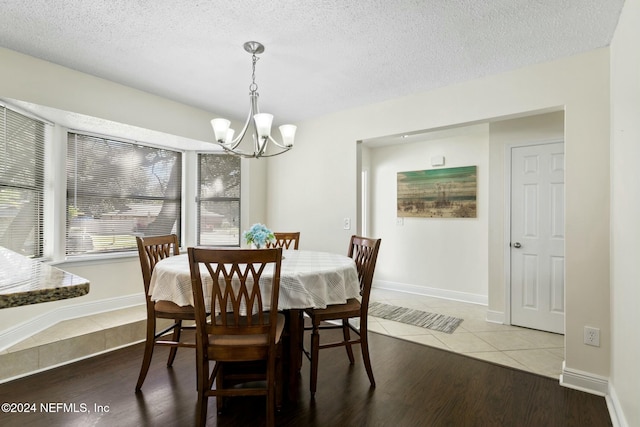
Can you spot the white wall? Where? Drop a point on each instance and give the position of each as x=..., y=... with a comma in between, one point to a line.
x=33, y=80
x=315, y=186
x=440, y=256
x=625, y=215
x=115, y=282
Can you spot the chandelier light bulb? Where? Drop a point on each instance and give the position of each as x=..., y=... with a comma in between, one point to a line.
x=220, y=128
x=263, y=124
x=288, y=133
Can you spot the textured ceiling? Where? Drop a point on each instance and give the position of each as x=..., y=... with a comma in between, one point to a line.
x=321, y=55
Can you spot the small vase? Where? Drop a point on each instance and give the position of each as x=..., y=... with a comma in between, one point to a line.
x=256, y=246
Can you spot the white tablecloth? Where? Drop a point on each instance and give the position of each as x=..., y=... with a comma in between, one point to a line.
x=307, y=279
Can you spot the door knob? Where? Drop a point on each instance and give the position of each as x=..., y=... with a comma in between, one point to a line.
x=517, y=245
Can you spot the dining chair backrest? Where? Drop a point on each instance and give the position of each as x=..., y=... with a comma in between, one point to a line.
x=285, y=240
x=152, y=249
x=240, y=302
x=364, y=252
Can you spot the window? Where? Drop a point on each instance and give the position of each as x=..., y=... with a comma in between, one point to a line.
x=218, y=200
x=117, y=190
x=21, y=182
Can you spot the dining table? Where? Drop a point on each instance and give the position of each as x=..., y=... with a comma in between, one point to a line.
x=308, y=279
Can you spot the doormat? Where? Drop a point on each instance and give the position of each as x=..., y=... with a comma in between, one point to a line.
x=436, y=322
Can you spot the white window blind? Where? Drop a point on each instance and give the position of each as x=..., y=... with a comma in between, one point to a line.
x=117, y=190
x=21, y=182
x=218, y=199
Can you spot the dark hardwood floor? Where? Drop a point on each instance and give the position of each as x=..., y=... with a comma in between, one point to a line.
x=416, y=386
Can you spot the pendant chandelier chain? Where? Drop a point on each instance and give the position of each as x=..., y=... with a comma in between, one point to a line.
x=253, y=87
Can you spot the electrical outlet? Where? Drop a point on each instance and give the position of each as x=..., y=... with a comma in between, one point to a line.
x=347, y=224
x=399, y=221
x=592, y=336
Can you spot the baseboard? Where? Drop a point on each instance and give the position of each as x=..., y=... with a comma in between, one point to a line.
x=496, y=317
x=615, y=410
x=431, y=292
x=584, y=381
x=39, y=323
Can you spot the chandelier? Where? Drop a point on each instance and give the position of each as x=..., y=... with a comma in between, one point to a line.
x=260, y=123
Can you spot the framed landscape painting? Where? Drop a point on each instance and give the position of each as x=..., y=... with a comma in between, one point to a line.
x=438, y=193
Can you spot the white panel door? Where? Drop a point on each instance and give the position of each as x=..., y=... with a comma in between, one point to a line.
x=537, y=237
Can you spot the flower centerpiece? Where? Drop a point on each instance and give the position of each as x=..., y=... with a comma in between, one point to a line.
x=259, y=235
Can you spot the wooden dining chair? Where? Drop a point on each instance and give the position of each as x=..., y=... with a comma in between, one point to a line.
x=288, y=240
x=364, y=251
x=151, y=250
x=244, y=325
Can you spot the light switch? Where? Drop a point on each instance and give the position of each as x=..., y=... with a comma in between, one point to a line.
x=347, y=224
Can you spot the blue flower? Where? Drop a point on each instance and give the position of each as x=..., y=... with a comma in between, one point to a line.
x=259, y=235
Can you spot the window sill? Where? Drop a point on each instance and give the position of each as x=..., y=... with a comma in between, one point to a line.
x=97, y=259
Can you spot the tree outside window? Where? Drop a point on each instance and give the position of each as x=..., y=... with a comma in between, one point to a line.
x=218, y=199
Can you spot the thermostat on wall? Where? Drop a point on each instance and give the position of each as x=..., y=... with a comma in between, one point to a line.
x=437, y=160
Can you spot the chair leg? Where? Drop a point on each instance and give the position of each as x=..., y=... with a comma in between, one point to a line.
x=201, y=410
x=219, y=386
x=148, y=351
x=177, y=329
x=271, y=407
x=271, y=395
x=347, y=338
x=279, y=378
x=315, y=343
x=201, y=404
x=364, y=344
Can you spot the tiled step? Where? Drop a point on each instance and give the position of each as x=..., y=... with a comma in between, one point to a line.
x=73, y=339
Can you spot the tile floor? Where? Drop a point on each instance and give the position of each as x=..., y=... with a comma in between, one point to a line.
x=526, y=349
